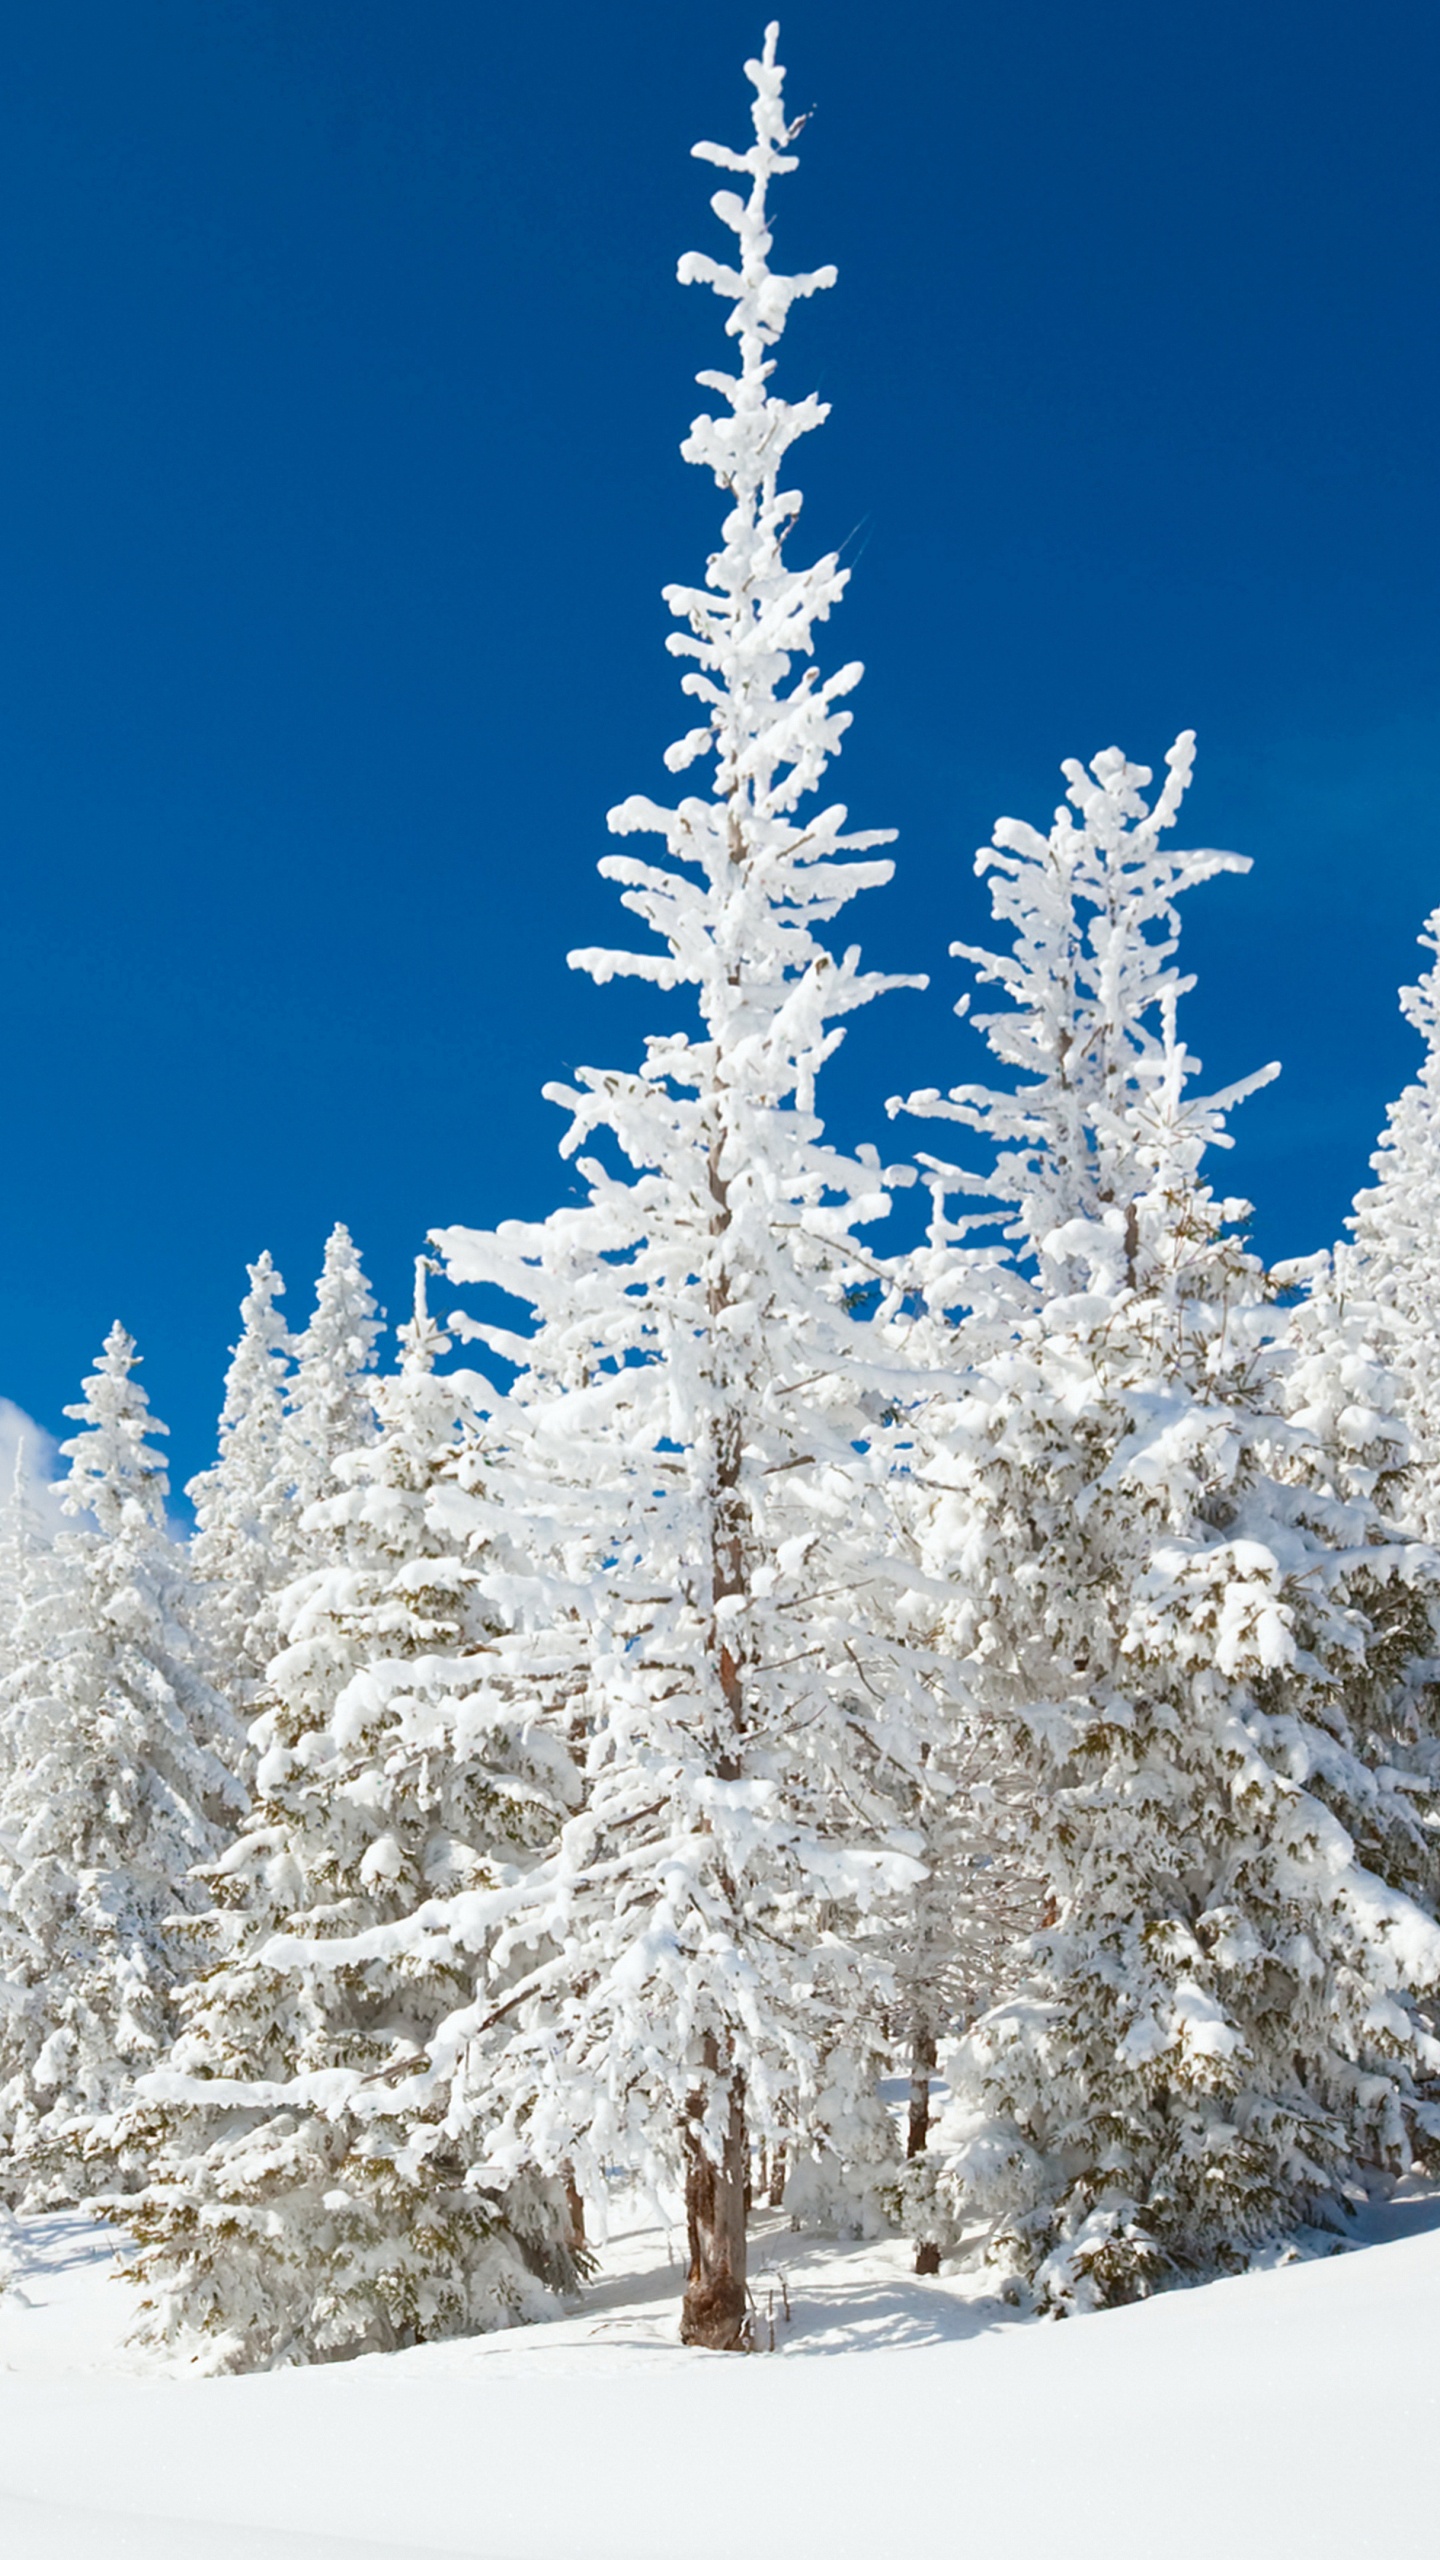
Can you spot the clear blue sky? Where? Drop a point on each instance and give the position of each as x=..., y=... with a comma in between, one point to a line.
x=343, y=377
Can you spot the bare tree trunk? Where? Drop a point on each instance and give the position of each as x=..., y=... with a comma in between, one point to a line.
x=922, y=2063
x=715, y=2312
x=779, y=2171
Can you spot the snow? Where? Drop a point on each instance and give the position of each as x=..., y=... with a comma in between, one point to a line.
x=567, y=1728
x=1277, y=2413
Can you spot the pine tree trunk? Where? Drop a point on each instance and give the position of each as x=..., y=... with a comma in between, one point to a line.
x=575, y=2206
x=729, y=1579
x=715, y=2312
x=922, y=2063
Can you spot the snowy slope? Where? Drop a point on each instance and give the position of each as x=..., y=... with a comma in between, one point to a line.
x=1288, y=2412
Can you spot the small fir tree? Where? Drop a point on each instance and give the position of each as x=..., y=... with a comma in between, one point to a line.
x=951, y=1943
x=31, y=1624
x=24, y=1548
x=19, y=1539
x=117, y=1785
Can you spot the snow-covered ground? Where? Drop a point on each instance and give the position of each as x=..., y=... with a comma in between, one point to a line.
x=1286, y=2413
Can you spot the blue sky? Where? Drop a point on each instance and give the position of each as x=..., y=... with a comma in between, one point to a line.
x=344, y=374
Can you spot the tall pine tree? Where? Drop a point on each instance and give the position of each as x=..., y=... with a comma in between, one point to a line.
x=698, y=1437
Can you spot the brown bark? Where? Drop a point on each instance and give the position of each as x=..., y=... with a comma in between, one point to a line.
x=575, y=2204
x=715, y=2312
x=728, y=1577
x=922, y=2063
x=779, y=2172
x=728, y=1581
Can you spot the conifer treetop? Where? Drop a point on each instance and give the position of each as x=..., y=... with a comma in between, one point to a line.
x=259, y=1356
x=767, y=882
x=254, y=1386
x=345, y=1324
x=330, y=1401
x=1420, y=1004
x=1099, y=1115
x=1396, y=1224
x=421, y=1338
x=245, y=1545
x=1385, y=1281
x=751, y=596
x=111, y=1465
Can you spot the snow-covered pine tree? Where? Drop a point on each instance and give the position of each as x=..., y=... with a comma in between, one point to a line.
x=27, y=1577
x=117, y=1785
x=1385, y=1286
x=950, y=1946
x=1164, y=1593
x=700, y=1416
x=330, y=1403
x=1346, y=1399
x=16, y=1541
x=246, y=1513
x=297, y=2209
x=1362, y=1366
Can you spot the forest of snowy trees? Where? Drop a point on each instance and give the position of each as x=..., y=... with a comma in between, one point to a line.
x=724, y=1661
